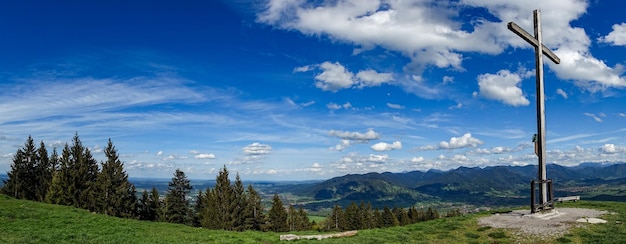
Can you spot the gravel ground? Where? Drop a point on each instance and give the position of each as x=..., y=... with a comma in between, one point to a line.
x=528, y=227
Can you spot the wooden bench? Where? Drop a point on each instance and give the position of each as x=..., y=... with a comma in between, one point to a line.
x=567, y=199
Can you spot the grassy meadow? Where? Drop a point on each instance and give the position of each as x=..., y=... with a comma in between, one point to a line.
x=33, y=222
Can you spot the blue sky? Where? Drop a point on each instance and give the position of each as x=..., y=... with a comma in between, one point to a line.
x=297, y=90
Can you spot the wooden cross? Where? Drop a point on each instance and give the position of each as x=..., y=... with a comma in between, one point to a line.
x=540, y=50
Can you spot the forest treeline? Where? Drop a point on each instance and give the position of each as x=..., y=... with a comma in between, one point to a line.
x=75, y=178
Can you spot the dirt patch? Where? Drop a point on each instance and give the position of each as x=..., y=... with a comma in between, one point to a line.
x=550, y=225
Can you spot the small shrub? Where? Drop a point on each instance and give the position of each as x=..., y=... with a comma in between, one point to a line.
x=484, y=228
x=472, y=235
x=497, y=235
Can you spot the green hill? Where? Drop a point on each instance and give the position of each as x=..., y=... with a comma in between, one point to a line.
x=33, y=222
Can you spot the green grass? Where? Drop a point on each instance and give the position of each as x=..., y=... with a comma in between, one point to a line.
x=33, y=222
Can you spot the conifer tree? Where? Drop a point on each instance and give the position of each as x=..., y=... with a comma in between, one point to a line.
x=155, y=206
x=115, y=194
x=388, y=218
x=237, y=205
x=277, y=216
x=42, y=173
x=144, y=201
x=336, y=220
x=303, y=220
x=367, y=218
x=224, y=200
x=20, y=183
x=254, y=217
x=292, y=218
x=353, y=217
x=176, y=203
x=209, y=214
x=62, y=187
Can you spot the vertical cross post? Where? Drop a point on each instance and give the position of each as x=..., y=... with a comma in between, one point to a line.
x=541, y=110
x=540, y=50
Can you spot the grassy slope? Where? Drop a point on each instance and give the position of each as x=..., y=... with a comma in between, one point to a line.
x=33, y=222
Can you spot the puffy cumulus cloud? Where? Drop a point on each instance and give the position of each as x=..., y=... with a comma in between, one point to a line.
x=432, y=33
x=341, y=146
x=257, y=149
x=334, y=77
x=370, y=78
x=383, y=146
x=617, y=37
x=612, y=148
x=417, y=159
x=460, y=142
x=355, y=136
x=503, y=86
x=159, y=153
x=588, y=72
x=204, y=156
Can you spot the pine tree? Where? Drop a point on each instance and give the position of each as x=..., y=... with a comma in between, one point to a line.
x=277, y=216
x=336, y=220
x=292, y=218
x=253, y=213
x=155, y=206
x=43, y=169
x=22, y=175
x=115, y=194
x=176, y=203
x=224, y=200
x=144, y=204
x=388, y=218
x=238, y=205
x=303, y=220
x=209, y=215
x=367, y=218
x=353, y=217
x=62, y=188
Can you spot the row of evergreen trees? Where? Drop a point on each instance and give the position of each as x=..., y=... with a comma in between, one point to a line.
x=75, y=178
x=364, y=217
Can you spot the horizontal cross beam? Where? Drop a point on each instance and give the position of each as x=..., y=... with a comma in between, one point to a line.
x=531, y=39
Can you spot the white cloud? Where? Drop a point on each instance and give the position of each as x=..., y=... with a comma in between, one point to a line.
x=355, y=136
x=617, y=37
x=257, y=149
x=395, y=106
x=417, y=159
x=612, y=148
x=430, y=33
x=503, y=86
x=595, y=117
x=448, y=79
x=204, y=156
x=374, y=158
x=316, y=167
x=342, y=146
x=334, y=77
x=561, y=92
x=459, y=142
x=369, y=78
x=426, y=148
x=159, y=153
x=303, y=68
x=383, y=146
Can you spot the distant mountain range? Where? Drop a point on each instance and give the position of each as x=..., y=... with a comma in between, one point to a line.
x=490, y=186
